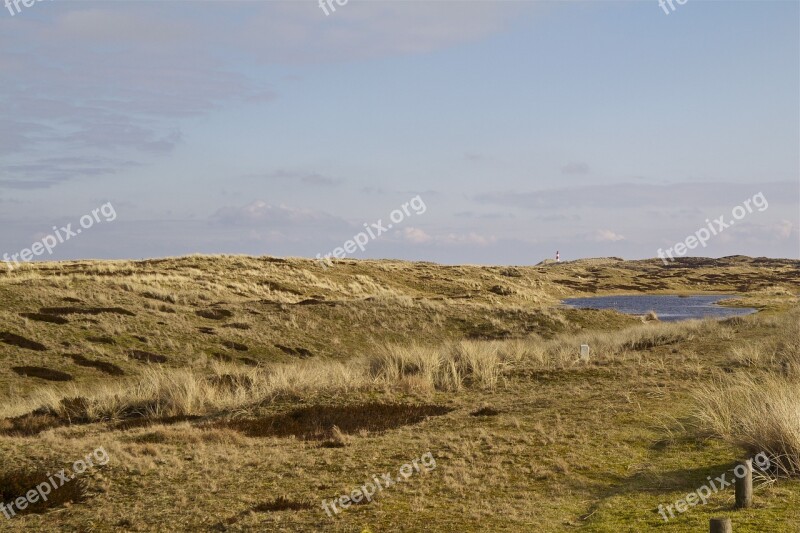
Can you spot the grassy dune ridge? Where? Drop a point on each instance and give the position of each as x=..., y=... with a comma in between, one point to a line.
x=249, y=389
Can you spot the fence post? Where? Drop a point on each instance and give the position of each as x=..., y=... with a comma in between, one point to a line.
x=744, y=485
x=721, y=525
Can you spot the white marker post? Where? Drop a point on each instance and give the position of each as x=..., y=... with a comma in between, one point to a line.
x=585, y=352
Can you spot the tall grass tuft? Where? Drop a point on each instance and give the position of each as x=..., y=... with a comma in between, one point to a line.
x=760, y=415
x=448, y=367
x=161, y=392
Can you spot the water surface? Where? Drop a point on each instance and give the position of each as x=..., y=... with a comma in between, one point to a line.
x=668, y=307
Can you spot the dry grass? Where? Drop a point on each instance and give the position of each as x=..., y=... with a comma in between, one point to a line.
x=483, y=364
x=760, y=410
x=167, y=393
x=534, y=437
x=760, y=415
x=162, y=392
x=442, y=368
x=158, y=307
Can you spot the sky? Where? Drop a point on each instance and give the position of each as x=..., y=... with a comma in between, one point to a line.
x=509, y=130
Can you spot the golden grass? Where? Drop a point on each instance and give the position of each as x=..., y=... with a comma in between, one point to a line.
x=163, y=392
x=391, y=301
x=760, y=415
x=448, y=367
x=215, y=388
x=760, y=410
x=533, y=437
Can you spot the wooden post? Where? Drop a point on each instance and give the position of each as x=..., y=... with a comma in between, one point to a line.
x=721, y=525
x=744, y=484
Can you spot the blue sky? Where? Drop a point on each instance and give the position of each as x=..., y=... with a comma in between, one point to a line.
x=268, y=128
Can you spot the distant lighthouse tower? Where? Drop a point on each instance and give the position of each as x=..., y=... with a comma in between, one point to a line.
x=558, y=257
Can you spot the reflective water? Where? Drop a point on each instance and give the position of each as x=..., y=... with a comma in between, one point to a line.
x=667, y=307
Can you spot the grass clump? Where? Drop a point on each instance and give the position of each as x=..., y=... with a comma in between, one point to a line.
x=759, y=415
x=759, y=410
x=161, y=392
x=283, y=503
x=448, y=367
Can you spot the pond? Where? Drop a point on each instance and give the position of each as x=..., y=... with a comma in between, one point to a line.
x=668, y=307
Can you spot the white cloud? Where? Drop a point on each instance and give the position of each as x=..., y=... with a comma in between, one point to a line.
x=683, y=195
x=260, y=212
x=783, y=229
x=418, y=236
x=122, y=75
x=754, y=232
x=297, y=32
x=306, y=178
x=606, y=235
x=576, y=169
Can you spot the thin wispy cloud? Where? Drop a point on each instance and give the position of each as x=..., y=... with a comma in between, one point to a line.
x=636, y=195
x=269, y=127
x=305, y=178
x=575, y=169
